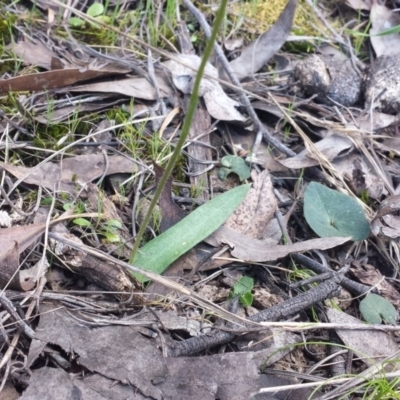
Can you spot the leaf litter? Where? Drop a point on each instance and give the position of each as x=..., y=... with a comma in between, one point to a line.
x=85, y=124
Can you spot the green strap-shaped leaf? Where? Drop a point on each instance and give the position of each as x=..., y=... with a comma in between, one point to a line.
x=331, y=213
x=158, y=254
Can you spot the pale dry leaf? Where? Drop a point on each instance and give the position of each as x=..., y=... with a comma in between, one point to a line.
x=257, y=210
x=359, y=4
x=72, y=171
x=53, y=79
x=62, y=113
x=382, y=18
x=13, y=241
x=259, y=52
x=356, y=169
x=255, y=250
x=372, y=346
x=330, y=147
x=136, y=87
x=368, y=274
x=218, y=104
x=35, y=53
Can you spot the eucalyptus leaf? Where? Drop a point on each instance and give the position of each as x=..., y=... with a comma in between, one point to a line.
x=331, y=213
x=376, y=308
x=158, y=254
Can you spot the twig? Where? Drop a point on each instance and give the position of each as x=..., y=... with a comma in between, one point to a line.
x=289, y=307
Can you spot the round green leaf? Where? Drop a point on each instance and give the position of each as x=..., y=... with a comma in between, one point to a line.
x=76, y=22
x=234, y=164
x=331, y=213
x=95, y=9
x=374, y=308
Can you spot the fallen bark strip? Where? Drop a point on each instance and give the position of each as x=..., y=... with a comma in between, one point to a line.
x=285, y=309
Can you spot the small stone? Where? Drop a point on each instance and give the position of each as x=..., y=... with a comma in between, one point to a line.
x=331, y=77
x=382, y=85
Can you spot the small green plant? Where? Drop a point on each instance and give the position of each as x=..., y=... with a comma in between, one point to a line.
x=108, y=229
x=96, y=11
x=375, y=308
x=234, y=165
x=331, y=213
x=243, y=288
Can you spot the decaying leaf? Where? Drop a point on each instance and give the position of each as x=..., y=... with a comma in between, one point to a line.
x=356, y=168
x=13, y=241
x=382, y=19
x=255, y=250
x=258, y=53
x=72, y=171
x=36, y=53
x=330, y=147
x=371, y=346
x=368, y=274
x=135, y=87
x=218, y=104
x=52, y=79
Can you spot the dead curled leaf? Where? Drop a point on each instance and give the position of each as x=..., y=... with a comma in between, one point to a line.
x=255, y=250
x=371, y=346
x=72, y=171
x=368, y=274
x=259, y=52
x=218, y=103
x=13, y=241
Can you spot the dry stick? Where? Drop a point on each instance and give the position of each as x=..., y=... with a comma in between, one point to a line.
x=261, y=130
x=355, y=287
x=288, y=307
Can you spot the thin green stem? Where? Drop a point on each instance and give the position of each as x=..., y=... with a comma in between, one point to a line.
x=194, y=98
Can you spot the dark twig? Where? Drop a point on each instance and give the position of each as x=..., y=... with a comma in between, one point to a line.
x=258, y=126
x=356, y=288
x=285, y=309
x=21, y=325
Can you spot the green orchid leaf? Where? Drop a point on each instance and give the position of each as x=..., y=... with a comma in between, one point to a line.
x=95, y=10
x=243, y=288
x=331, y=213
x=158, y=254
x=76, y=22
x=376, y=308
x=82, y=222
x=236, y=165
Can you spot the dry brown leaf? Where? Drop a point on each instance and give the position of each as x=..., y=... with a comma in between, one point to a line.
x=52, y=79
x=71, y=172
x=330, y=147
x=255, y=250
x=382, y=18
x=36, y=53
x=359, y=4
x=368, y=274
x=258, y=53
x=218, y=104
x=63, y=113
x=257, y=210
x=13, y=241
x=372, y=346
x=136, y=87
x=355, y=168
